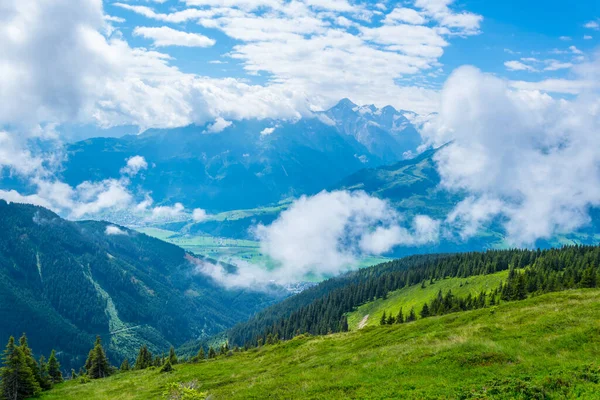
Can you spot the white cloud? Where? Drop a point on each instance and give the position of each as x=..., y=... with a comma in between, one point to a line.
x=587, y=37
x=575, y=50
x=595, y=25
x=518, y=66
x=510, y=149
x=199, y=215
x=463, y=23
x=565, y=38
x=165, y=36
x=267, y=131
x=114, y=230
x=324, y=234
x=407, y=15
x=219, y=125
x=166, y=213
x=134, y=165
x=555, y=65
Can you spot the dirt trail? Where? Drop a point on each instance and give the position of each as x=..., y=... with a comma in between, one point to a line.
x=363, y=322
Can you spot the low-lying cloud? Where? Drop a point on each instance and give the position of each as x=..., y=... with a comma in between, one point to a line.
x=326, y=234
x=521, y=155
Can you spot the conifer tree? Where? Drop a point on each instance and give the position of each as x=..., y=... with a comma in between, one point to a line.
x=383, y=319
x=201, y=356
x=31, y=363
x=411, y=316
x=17, y=379
x=212, y=353
x=390, y=319
x=425, y=311
x=400, y=317
x=97, y=365
x=144, y=358
x=54, y=369
x=125, y=365
x=45, y=382
x=172, y=356
x=73, y=373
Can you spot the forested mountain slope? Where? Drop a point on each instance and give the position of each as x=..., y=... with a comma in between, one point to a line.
x=64, y=283
x=325, y=308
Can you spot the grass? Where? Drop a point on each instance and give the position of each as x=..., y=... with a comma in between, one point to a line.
x=546, y=347
x=415, y=296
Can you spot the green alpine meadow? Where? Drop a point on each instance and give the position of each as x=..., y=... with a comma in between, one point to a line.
x=545, y=347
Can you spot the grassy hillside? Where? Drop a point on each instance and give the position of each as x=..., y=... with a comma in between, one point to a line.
x=545, y=347
x=415, y=296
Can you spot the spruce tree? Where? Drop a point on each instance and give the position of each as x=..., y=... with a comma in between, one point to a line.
x=17, y=379
x=390, y=319
x=201, y=356
x=212, y=353
x=400, y=317
x=144, y=358
x=31, y=363
x=425, y=311
x=54, y=369
x=125, y=365
x=172, y=356
x=97, y=365
x=45, y=382
x=411, y=316
x=383, y=319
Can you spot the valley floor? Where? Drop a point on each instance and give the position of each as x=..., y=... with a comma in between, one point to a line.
x=545, y=347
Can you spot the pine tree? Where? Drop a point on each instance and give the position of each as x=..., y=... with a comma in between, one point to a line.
x=201, y=356
x=390, y=319
x=125, y=365
x=144, y=358
x=400, y=317
x=73, y=373
x=425, y=311
x=212, y=353
x=17, y=379
x=54, y=369
x=45, y=382
x=31, y=363
x=411, y=316
x=383, y=319
x=97, y=365
x=172, y=356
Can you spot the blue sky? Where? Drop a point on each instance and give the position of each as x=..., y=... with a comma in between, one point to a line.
x=519, y=40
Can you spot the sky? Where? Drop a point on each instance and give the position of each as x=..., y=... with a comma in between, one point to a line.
x=514, y=87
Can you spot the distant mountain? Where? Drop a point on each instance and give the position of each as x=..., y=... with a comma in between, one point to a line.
x=385, y=132
x=64, y=283
x=252, y=162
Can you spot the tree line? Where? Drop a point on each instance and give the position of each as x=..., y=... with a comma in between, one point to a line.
x=530, y=272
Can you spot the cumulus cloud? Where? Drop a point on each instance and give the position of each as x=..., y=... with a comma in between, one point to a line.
x=199, y=215
x=165, y=213
x=325, y=234
x=527, y=160
x=134, y=165
x=219, y=125
x=267, y=131
x=165, y=36
x=114, y=230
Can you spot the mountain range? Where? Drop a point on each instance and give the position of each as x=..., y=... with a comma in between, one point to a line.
x=265, y=160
